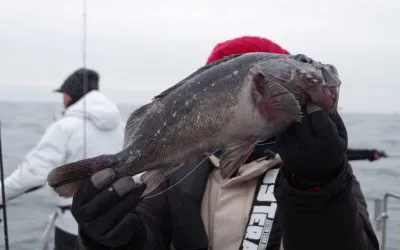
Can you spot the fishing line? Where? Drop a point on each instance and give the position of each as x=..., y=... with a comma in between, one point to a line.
x=180, y=181
x=392, y=155
x=3, y=195
x=266, y=143
x=191, y=171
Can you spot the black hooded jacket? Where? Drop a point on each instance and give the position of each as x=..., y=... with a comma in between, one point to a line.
x=175, y=217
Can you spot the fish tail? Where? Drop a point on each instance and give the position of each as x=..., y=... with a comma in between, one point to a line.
x=67, y=179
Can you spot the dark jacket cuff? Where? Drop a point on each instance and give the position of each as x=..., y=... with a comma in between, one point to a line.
x=84, y=242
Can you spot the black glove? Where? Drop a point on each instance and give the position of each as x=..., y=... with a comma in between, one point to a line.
x=374, y=154
x=104, y=209
x=313, y=150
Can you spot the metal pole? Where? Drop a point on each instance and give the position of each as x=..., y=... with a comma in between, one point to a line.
x=385, y=216
x=3, y=195
x=47, y=233
x=377, y=214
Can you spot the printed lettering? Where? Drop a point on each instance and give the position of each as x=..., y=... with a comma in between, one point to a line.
x=261, y=195
x=266, y=193
x=257, y=219
x=270, y=176
x=263, y=214
x=254, y=232
x=264, y=238
x=270, y=210
x=247, y=245
x=268, y=226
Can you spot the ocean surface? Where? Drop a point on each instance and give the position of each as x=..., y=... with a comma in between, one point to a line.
x=24, y=123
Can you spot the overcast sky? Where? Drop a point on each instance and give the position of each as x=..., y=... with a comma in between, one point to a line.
x=143, y=47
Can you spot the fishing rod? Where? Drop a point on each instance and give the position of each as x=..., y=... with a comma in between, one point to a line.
x=85, y=85
x=383, y=154
x=27, y=191
x=85, y=89
x=392, y=155
x=3, y=195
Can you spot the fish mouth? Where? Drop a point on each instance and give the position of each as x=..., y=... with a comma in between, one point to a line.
x=322, y=90
x=324, y=96
x=331, y=96
x=319, y=84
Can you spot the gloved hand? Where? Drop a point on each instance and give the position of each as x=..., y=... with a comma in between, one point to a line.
x=376, y=154
x=313, y=151
x=104, y=209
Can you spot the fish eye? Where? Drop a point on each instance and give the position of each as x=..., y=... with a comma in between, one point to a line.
x=303, y=58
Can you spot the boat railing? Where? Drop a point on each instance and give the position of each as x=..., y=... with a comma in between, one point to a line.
x=381, y=216
x=46, y=242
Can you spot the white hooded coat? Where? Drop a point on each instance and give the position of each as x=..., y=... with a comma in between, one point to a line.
x=64, y=142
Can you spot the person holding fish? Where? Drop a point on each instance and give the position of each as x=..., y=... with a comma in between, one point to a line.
x=66, y=140
x=251, y=93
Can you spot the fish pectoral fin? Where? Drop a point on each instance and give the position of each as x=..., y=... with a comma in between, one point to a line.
x=234, y=156
x=155, y=177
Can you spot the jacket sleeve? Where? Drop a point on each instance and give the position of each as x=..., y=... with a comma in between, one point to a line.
x=49, y=153
x=359, y=154
x=333, y=217
x=153, y=231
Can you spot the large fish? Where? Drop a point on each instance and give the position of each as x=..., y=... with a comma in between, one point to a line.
x=230, y=104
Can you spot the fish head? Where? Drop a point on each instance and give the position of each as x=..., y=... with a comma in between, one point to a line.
x=320, y=81
x=307, y=79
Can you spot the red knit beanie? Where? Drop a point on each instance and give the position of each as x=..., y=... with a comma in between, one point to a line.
x=244, y=44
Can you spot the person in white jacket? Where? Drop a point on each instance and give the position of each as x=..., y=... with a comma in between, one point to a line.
x=91, y=125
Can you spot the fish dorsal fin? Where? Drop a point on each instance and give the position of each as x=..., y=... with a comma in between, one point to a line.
x=200, y=70
x=134, y=120
x=234, y=156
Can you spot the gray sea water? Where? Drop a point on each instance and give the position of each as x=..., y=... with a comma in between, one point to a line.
x=24, y=123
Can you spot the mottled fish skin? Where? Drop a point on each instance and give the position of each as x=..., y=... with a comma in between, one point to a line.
x=182, y=121
x=230, y=104
x=208, y=109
